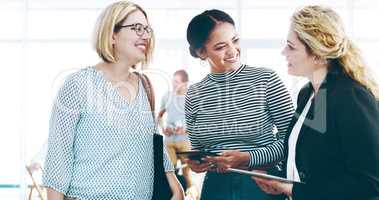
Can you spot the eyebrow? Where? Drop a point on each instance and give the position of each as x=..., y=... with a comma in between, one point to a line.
x=234, y=37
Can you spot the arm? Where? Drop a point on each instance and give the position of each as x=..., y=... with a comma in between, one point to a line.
x=166, y=131
x=160, y=116
x=190, y=114
x=281, y=111
x=60, y=158
x=357, y=117
x=176, y=188
x=162, y=109
x=54, y=195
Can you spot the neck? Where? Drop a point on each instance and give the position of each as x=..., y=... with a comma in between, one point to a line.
x=216, y=69
x=317, y=77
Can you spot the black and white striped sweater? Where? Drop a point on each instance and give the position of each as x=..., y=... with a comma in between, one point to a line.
x=239, y=110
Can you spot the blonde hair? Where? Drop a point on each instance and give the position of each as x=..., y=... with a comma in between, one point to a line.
x=114, y=15
x=321, y=30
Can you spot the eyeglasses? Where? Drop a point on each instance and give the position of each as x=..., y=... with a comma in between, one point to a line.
x=139, y=28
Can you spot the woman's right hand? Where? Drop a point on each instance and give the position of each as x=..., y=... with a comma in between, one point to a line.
x=198, y=166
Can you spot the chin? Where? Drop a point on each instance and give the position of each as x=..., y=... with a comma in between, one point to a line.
x=232, y=65
x=292, y=72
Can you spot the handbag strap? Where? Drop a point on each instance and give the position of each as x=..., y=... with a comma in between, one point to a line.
x=161, y=189
x=149, y=90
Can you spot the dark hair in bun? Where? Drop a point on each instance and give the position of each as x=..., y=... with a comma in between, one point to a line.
x=201, y=26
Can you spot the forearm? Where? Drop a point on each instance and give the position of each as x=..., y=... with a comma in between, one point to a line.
x=269, y=155
x=176, y=188
x=54, y=195
x=187, y=176
x=160, y=122
x=160, y=118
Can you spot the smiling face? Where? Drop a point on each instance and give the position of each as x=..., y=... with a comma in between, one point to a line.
x=300, y=61
x=128, y=46
x=222, y=50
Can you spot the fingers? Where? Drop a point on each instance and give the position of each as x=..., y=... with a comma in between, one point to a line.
x=199, y=167
x=268, y=186
x=230, y=153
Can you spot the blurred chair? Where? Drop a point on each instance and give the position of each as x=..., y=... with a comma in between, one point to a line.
x=32, y=169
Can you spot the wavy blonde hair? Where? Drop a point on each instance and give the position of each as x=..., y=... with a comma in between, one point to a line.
x=114, y=15
x=321, y=30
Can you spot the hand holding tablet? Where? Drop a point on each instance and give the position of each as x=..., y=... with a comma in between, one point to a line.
x=263, y=176
x=197, y=155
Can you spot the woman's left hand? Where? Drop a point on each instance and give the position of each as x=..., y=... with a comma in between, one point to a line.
x=274, y=187
x=229, y=159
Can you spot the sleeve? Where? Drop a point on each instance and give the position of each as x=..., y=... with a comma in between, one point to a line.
x=357, y=117
x=64, y=117
x=281, y=110
x=168, y=166
x=190, y=114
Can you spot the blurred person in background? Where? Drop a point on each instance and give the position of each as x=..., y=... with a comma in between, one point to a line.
x=176, y=137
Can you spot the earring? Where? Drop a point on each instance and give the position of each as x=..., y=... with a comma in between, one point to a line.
x=203, y=62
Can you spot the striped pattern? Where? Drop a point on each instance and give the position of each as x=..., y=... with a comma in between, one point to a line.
x=239, y=110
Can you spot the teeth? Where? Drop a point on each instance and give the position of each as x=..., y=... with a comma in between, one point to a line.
x=231, y=59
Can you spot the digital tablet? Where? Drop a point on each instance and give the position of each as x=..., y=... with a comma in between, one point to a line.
x=197, y=154
x=264, y=176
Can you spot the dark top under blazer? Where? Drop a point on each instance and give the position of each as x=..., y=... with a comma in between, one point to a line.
x=337, y=151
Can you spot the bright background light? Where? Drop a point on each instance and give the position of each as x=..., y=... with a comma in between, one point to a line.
x=41, y=41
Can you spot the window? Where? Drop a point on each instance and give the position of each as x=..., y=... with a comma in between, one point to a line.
x=42, y=41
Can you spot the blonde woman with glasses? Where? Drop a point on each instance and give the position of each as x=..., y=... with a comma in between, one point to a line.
x=101, y=128
x=333, y=141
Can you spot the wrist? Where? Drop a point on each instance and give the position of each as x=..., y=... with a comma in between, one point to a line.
x=245, y=159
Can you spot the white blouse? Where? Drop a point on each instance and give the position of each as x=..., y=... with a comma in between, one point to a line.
x=292, y=172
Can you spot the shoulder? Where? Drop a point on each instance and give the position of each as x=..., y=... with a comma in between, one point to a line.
x=350, y=93
x=80, y=76
x=194, y=88
x=262, y=75
x=77, y=82
x=262, y=72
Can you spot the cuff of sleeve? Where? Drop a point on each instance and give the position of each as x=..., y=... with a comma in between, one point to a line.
x=251, y=161
x=255, y=159
x=169, y=170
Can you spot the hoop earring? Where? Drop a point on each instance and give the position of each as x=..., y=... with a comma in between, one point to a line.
x=203, y=63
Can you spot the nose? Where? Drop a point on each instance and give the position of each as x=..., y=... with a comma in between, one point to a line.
x=284, y=51
x=146, y=35
x=232, y=51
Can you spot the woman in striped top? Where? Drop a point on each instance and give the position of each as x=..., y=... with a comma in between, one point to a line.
x=233, y=110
